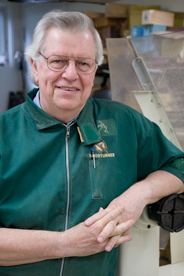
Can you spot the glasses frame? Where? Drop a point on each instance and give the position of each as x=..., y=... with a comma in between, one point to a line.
x=70, y=58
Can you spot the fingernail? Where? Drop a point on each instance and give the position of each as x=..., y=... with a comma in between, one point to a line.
x=108, y=248
x=100, y=239
x=87, y=222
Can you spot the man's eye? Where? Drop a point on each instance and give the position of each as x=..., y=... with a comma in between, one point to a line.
x=63, y=61
x=83, y=63
x=57, y=61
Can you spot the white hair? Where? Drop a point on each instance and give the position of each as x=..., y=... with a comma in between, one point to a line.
x=72, y=21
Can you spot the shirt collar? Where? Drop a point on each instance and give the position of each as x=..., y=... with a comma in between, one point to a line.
x=42, y=119
x=85, y=121
x=36, y=99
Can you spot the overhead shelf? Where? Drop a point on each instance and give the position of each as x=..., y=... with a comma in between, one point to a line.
x=56, y=1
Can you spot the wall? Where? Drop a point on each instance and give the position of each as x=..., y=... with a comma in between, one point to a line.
x=11, y=80
x=10, y=77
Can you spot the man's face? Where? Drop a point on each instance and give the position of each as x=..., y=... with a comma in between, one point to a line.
x=64, y=94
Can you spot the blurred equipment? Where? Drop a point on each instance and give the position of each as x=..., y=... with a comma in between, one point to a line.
x=104, y=92
x=18, y=58
x=15, y=98
x=168, y=212
x=146, y=73
x=54, y=1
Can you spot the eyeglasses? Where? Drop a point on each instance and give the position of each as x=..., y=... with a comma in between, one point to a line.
x=59, y=63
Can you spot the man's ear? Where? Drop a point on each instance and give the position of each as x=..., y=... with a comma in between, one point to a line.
x=34, y=69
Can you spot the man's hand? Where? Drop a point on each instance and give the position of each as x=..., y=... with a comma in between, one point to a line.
x=154, y=187
x=114, y=231
x=18, y=246
x=82, y=239
x=133, y=200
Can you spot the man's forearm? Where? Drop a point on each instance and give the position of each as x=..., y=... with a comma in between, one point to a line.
x=27, y=246
x=158, y=185
x=154, y=187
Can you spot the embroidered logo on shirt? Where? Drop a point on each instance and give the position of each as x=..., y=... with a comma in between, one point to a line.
x=102, y=127
x=101, y=147
x=106, y=127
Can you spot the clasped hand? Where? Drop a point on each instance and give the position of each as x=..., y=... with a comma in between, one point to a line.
x=112, y=231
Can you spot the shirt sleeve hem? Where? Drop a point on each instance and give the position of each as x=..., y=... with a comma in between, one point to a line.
x=175, y=172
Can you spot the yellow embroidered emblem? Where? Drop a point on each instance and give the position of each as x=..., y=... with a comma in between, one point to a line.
x=100, y=147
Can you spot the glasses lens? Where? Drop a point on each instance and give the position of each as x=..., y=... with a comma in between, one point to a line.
x=57, y=63
x=86, y=65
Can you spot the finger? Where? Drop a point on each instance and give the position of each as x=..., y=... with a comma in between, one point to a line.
x=123, y=228
x=107, y=214
x=123, y=239
x=107, y=230
x=112, y=217
x=101, y=213
x=112, y=229
x=127, y=231
x=115, y=241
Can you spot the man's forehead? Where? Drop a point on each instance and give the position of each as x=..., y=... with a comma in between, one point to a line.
x=56, y=40
x=68, y=32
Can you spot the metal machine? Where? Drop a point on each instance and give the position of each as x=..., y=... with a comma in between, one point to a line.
x=147, y=73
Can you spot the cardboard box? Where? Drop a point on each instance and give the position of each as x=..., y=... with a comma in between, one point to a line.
x=146, y=30
x=93, y=15
x=178, y=20
x=104, y=22
x=111, y=32
x=135, y=14
x=114, y=10
x=108, y=32
x=117, y=31
x=158, y=18
x=124, y=28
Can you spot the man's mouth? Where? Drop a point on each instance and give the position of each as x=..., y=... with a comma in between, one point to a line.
x=69, y=88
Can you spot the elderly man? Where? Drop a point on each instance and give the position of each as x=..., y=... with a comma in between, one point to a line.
x=75, y=172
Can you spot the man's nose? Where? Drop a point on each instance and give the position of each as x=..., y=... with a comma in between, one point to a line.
x=70, y=71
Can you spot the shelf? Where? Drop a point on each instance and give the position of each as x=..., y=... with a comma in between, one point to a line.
x=103, y=2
